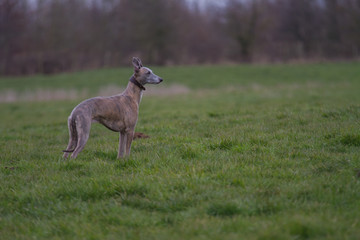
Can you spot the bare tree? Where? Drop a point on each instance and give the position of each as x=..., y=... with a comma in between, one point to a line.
x=49, y=36
x=12, y=25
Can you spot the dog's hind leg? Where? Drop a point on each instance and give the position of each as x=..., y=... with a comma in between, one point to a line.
x=72, y=138
x=83, y=126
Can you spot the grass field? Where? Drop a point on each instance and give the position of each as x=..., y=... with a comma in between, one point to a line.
x=250, y=152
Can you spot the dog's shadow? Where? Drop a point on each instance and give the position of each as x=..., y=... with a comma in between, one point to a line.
x=106, y=155
x=113, y=154
x=122, y=164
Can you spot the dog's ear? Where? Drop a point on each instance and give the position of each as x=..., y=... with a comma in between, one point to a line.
x=136, y=63
x=140, y=63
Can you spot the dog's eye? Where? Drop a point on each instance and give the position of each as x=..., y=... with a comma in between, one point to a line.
x=148, y=73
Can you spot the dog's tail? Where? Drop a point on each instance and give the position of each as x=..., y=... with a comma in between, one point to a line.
x=68, y=151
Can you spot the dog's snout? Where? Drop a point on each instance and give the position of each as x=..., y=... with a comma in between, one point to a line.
x=160, y=79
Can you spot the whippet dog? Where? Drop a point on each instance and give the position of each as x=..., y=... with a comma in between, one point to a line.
x=118, y=113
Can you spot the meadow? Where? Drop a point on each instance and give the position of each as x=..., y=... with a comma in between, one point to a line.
x=248, y=152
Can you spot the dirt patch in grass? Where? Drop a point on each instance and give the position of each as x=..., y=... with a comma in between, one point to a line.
x=40, y=95
x=140, y=135
x=171, y=90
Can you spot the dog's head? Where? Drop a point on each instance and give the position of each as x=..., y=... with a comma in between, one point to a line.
x=143, y=74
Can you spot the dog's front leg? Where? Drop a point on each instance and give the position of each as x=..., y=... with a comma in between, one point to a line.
x=129, y=138
x=122, y=143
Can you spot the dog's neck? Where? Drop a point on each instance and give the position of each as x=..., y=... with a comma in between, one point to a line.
x=134, y=81
x=134, y=90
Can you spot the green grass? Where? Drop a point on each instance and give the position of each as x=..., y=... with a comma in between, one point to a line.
x=252, y=152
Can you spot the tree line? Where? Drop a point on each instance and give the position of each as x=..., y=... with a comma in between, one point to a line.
x=49, y=36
